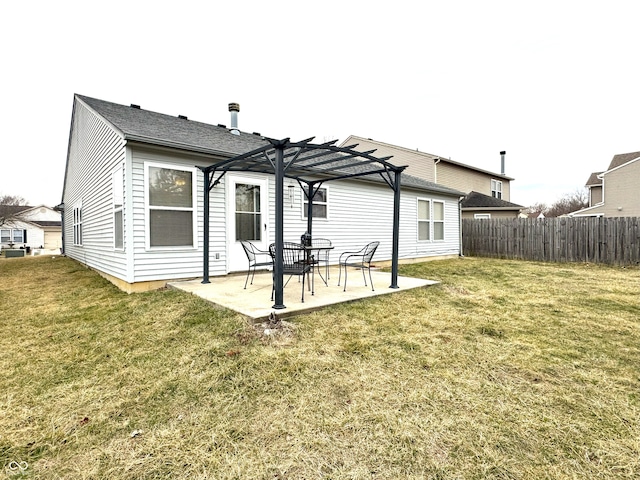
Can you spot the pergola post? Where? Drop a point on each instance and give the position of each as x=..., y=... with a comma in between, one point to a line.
x=279, y=237
x=395, y=247
x=205, y=247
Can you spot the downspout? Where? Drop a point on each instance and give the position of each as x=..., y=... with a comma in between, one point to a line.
x=60, y=208
x=205, y=247
x=460, y=254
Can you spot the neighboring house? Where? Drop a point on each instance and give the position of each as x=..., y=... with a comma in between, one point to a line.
x=477, y=205
x=39, y=228
x=534, y=215
x=616, y=191
x=487, y=193
x=134, y=210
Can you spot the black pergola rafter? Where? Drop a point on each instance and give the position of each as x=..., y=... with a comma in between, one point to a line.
x=303, y=162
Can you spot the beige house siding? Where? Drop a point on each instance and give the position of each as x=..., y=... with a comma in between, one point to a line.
x=622, y=191
x=494, y=214
x=595, y=195
x=420, y=164
x=467, y=180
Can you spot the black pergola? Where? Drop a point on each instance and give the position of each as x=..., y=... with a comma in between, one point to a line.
x=311, y=165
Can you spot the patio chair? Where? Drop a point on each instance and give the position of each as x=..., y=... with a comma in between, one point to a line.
x=253, y=253
x=321, y=256
x=294, y=262
x=360, y=259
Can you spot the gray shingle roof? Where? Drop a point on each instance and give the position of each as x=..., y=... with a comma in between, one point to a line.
x=137, y=124
x=594, y=180
x=159, y=129
x=479, y=200
x=622, y=158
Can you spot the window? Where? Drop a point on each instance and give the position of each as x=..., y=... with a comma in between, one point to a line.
x=248, y=214
x=5, y=236
x=430, y=220
x=18, y=236
x=482, y=216
x=118, y=200
x=438, y=220
x=319, y=203
x=77, y=225
x=424, y=219
x=171, y=212
x=496, y=188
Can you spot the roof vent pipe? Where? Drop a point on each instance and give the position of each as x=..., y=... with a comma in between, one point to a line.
x=234, y=108
x=502, y=154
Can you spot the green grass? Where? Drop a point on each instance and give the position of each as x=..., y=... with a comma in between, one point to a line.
x=506, y=370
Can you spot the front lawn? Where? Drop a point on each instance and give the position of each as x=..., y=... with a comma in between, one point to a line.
x=507, y=369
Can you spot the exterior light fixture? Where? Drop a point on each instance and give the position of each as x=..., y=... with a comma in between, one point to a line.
x=291, y=189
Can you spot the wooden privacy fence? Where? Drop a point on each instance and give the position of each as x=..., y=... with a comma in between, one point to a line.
x=614, y=240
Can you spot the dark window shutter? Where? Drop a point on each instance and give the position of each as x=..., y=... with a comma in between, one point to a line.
x=24, y=236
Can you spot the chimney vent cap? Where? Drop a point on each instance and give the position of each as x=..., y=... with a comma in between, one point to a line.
x=234, y=107
x=503, y=153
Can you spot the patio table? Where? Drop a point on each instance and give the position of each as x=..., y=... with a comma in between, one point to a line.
x=309, y=249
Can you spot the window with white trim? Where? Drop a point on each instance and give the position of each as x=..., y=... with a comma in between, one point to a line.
x=424, y=220
x=13, y=235
x=482, y=216
x=320, y=203
x=118, y=201
x=496, y=188
x=438, y=220
x=77, y=225
x=170, y=206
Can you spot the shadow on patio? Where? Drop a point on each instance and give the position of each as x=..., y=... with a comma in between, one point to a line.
x=255, y=302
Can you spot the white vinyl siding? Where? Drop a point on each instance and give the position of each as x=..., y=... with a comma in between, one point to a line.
x=95, y=152
x=362, y=212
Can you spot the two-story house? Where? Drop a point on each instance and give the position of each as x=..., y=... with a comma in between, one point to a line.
x=487, y=193
x=616, y=191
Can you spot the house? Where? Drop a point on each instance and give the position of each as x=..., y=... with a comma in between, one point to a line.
x=487, y=193
x=614, y=192
x=39, y=228
x=137, y=182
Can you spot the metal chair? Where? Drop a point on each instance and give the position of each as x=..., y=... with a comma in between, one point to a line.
x=360, y=259
x=294, y=262
x=322, y=256
x=253, y=253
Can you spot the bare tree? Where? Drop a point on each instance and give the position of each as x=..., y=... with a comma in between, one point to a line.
x=537, y=208
x=570, y=202
x=8, y=204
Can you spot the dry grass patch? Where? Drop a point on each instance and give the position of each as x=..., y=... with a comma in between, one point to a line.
x=505, y=370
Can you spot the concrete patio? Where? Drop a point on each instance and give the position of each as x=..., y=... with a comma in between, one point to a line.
x=255, y=302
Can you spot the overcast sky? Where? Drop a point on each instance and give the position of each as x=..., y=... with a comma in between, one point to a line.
x=554, y=83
